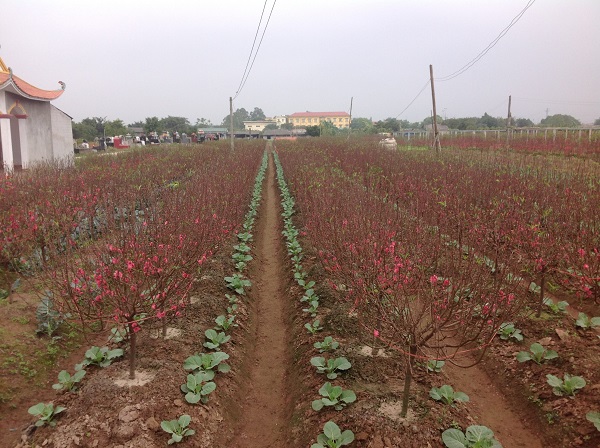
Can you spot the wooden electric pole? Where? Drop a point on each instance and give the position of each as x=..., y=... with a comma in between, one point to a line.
x=508, y=119
x=349, y=124
x=231, y=120
x=436, y=136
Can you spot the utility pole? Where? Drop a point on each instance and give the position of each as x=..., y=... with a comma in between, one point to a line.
x=231, y=120
x=349, y=124
x=508, y=119
x=436, y=136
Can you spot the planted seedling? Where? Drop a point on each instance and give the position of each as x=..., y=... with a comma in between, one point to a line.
x=314, y=327
x=117, y=335
x=435, y=366
x=447, y=395
x=207, y=361
x=244, y=237
x=474, y=437
x=330, y=366
x=49, y=319
x=594, y=417
x=232, y=309
x=215, y=339
x=294, y=247
x=238, y=283
x=556, y=308
x=241, y=257
x=312, y=309
x=508, y=331
x=585, y=322
x=309, y=295
x=198, y=386
x=537, y=353
x=333, y=396
x=333, y=437
x=299, y=276
x=97, y=356
x=329, y=344
x=178, y=428
x=534, y=288
x=45, y=413
x=67, y=381
x=224, y=322
x=242, y=247
x=567, y=386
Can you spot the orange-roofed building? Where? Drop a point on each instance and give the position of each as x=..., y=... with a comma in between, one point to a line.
x=31, y=129
x=339, y=119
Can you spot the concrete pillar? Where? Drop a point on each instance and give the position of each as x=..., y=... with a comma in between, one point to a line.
x=24, y=142
x=5, y=136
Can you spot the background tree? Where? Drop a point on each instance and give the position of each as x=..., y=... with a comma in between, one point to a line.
x=361, y=124
x=313, y=131
x=136, y=124
x=257, y=114
x=524, y=123
x=462, y=124
x=239, y=116
x=271, y=126
x=387, y=125
x=151, y=124
x=176, y=124
x=288, y=126
x=489, y=122
x=116, y=127
x=429, y=120
x=597, y=122
x=203, y=123
x=560, y=121
x=84, y=131
x=328, y=128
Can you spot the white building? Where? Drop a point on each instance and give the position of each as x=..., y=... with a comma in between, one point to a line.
x=31, y=129
x=279, y=119
x=258, y=125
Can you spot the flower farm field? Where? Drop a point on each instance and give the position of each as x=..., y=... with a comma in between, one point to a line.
x=311, y=293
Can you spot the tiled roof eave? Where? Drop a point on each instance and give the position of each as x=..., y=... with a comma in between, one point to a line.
x=26, y=90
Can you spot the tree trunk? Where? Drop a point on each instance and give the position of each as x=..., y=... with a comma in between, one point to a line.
x=542, y=292
x=132, y=350
x=408, y=377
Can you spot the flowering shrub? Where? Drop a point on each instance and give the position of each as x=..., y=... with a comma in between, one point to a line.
x=125, y=241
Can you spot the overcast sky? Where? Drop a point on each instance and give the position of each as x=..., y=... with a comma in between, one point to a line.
x=131, y=60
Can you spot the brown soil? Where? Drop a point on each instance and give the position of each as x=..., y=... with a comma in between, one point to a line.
x=512, y=427
x=30, y=363
x=265, y=419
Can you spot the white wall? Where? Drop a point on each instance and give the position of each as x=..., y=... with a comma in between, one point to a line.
x=62, y=134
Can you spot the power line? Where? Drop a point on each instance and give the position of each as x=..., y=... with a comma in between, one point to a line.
x=252, y=49
x=243, y=82
x=541, y=101
x=414, y=99
x=491, y=45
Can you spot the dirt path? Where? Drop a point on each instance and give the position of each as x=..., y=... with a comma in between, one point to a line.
x=264, y=410
x=512, y=429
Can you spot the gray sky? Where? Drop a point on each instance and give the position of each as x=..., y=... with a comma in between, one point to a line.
x=131, y=60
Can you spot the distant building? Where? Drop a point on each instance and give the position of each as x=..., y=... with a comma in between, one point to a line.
x=31, y=129
x=442, y=128
x=271, y=134
x=213, y=132
x=279, y=119
x=339, y=119
x=258, y=125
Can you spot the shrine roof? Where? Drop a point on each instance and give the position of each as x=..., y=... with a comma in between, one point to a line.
x=10, y=82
